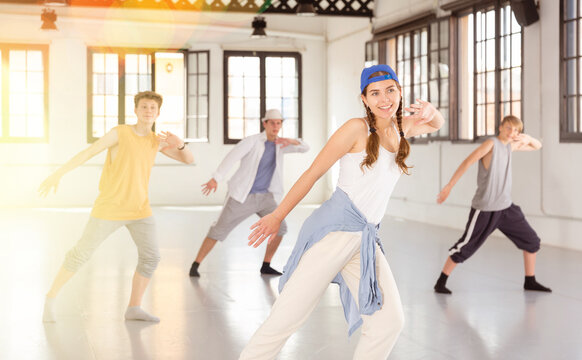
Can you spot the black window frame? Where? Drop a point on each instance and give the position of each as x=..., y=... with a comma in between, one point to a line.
x=5, y=49
x=262, y=55
x=476, y=7
x=423, y=21
x=121, y=52
x=567, y=135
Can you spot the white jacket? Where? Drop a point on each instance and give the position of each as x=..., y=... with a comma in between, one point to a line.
x=249, y=151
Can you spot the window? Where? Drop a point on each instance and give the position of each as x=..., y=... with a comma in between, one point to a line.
x=255, y=82
x=116, y=75
x=438, y=73
x=490, y=76
x=23, y=93
x=571, y=71
x=420, y=56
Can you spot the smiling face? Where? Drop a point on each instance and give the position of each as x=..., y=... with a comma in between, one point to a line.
x=147, y=111
x=508, y=132
x=383, y=98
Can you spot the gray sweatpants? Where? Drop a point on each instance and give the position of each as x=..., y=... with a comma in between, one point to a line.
x=143, y=233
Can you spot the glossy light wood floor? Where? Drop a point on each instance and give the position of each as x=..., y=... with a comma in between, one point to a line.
x=488, y=316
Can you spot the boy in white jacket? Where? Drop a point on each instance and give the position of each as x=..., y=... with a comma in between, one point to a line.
x=253, y=188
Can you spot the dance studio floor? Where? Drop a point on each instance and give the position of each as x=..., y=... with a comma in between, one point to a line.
x=489, y=316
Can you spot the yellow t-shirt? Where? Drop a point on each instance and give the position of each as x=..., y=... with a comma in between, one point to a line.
x=123, y=188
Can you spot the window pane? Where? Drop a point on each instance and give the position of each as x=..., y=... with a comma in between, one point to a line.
x=17, y=81
x=571, y=39
x=516, y=84
x=131, y=64
x=252, y=126
x=406, y=46
x=516, y=108
x=17, y=60
x=490, y=27
x=423, y=69
x=192, y=63
x=505, y=85
x=203, y=106
x=35, y=104
x=273, y=86
x=203, y=84
x=288, y=66
x=235, y=86
x=444, y=64
x=505, y=54
x=516, y=50
x=235, y=65
x=480, y=115
x=444, y=33
x=235, y=107
x=444, y=92
x=111, y=63
x=273, y=66
x=571, y=109
x=491, y=119
x=570, y=9
x=252, y=108
x=490, y=87
x=131, y=84
x=480, y=88
x=290, y=108
x=235, y=128
x=251, y=66
x=434, y=36
x=434, y=64
x=480, y=56
x=416, y=43
x=424, y=92
x=290, y=128
x=434, y=92
x=34, y=60
x=400, y=52
x=203, y=63
x=111, y=106
x=17, y=125
x=252, y=87
x=490, y=53
x=290, y=87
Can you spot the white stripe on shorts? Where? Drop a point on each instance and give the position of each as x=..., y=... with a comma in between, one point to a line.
x=468, y=235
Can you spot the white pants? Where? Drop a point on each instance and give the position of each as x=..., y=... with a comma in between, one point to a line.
x=336, y=252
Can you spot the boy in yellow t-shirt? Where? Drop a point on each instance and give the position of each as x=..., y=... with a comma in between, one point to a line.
x=123, y=198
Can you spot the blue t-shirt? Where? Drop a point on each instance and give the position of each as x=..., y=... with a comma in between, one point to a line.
x=265, y=170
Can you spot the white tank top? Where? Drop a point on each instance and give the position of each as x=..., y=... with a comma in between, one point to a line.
x=369, y=188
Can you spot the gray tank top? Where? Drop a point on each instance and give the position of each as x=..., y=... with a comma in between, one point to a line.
x=494, y=184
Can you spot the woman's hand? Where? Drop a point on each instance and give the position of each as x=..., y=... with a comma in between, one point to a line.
x=422, y=112
x=266, y=228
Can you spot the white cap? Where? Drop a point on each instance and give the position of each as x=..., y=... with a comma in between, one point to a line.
x=273, y=114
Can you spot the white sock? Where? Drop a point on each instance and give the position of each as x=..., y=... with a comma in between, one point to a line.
x=48, y=314
x=137, y=313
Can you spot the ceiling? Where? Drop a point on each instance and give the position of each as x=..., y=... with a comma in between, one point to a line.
x=362, y=8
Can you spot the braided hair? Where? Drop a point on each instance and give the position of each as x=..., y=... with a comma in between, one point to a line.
x=373, y=142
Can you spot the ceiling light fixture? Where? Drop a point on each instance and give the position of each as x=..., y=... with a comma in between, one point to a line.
x=48, y=18
x=56, y=2
x=259, y=25
x=305, y=8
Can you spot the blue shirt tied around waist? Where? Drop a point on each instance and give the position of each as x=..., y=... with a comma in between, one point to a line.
x=340, y=214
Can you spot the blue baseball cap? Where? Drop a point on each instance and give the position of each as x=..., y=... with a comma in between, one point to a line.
x=364, y=81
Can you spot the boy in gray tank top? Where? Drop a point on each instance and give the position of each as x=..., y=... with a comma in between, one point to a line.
x=492, y=207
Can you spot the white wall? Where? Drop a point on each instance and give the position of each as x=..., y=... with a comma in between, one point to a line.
x=546, y=184
x=24, y=166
